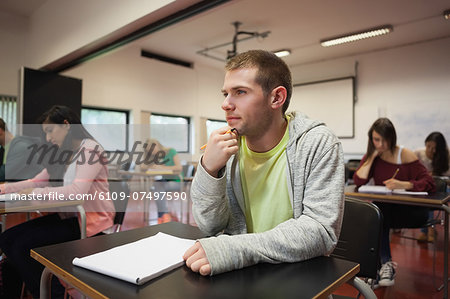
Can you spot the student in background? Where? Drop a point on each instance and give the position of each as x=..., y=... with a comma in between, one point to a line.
x=435, y=158
x=16, y=151
x=166, y=183
x=380, y=163
x=272, y=189
x=86, y=173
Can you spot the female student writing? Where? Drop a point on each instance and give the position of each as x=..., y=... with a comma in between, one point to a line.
x=80, y=168
x=435, y=158
x=396, y=168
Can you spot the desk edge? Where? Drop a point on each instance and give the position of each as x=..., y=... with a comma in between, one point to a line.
x=84, y=288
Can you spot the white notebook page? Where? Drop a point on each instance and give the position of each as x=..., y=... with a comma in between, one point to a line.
x=140, y=261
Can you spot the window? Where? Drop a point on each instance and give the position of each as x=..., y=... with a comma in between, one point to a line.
x=8, y=111
x=108, y=126
x=212, y=124
x=171, y=131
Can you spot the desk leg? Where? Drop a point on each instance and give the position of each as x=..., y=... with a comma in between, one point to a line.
x=3, y=222
x=362, y=287
x=82, y=220
x=46, y=280
x=147, y=187
x=446, y=212
x=46, y=285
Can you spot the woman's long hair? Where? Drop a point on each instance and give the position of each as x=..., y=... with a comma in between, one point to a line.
x=57, y=115
x=385, y=128
x=440, y=156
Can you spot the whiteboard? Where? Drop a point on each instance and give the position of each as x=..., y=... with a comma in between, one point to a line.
x=414, y=123
x=329, y=101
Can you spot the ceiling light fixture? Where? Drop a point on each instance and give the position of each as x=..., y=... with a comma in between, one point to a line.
x=447, y=14
x=282, y=53
x=356, y=36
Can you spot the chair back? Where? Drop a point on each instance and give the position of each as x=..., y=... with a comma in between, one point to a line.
x=350, y=168
x=188, y=170
x=441, y=185
x=360, y=236
x=116, y=187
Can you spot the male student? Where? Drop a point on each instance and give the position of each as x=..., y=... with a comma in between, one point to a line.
x=18, y=161
x=272, y=190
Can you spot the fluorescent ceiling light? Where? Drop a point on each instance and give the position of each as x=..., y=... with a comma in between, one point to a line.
x=356, y=36
x=447, y=14
x=282, y=53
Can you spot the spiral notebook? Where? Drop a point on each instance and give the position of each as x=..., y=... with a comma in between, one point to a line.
x=139, y=261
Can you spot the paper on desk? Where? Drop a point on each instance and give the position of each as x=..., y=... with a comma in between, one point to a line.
x=9, y=196
x=403, y=191
x=384, y=190
x=140, y=261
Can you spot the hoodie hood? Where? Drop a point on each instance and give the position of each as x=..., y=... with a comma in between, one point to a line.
x=299, y=124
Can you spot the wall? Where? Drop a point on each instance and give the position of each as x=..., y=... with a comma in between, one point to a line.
x=126, y=80
x=13, y=34
x=409, y=85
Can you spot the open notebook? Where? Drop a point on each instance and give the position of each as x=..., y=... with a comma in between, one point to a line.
x=384, y=190
x=140, y=261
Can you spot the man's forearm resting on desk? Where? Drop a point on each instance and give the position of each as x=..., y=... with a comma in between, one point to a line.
x=313, y=232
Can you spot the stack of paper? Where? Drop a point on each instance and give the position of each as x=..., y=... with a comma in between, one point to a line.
x=140, y=261
x=384, y=190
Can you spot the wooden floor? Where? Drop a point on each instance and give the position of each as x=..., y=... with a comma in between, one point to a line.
x=415, y=261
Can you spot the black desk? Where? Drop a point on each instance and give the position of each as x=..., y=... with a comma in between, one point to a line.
x=20, y=206
x=316, y=278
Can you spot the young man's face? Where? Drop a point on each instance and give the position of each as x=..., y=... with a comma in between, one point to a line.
x=245, y=106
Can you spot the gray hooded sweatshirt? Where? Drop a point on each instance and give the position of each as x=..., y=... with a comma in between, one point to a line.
x=315, y=177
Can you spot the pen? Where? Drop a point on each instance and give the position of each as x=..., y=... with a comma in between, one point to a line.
x=395, y=173
x=227, y=132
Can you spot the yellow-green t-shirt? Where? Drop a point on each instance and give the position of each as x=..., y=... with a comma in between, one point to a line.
x=6, y=147
x=264, y=184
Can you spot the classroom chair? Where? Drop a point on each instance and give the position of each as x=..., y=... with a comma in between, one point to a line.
x=359, y=242
x=117, y=188
x=350, y=168
x=183, y=185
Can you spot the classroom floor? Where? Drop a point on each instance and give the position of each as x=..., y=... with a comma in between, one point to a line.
x=414, y=278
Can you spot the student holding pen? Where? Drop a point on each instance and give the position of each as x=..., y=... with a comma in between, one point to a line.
x=270, y=185
x=77, y=167
x=397, y=168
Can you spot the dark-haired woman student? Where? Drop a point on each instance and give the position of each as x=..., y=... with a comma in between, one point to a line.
x=395, y=167
x=77, y=167
x=435, y=158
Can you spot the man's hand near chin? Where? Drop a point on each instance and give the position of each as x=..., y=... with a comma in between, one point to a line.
x=196, y=259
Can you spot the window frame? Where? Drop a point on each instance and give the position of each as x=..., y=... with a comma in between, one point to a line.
x=127, y=123
x=188, y=118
